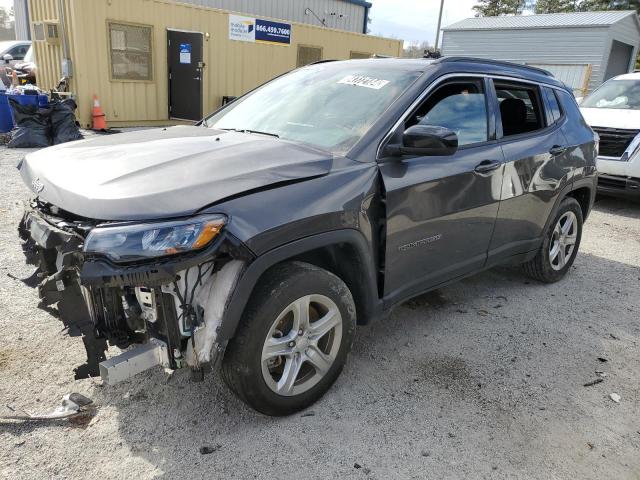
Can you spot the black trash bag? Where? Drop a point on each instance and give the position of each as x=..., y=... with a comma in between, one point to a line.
x=32, y=126
x=63, y=121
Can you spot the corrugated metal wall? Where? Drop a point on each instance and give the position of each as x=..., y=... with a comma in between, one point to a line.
x=575, y=76
x=232, y=67
x=574, y=45
x=21, y=13
x=625, y=31
x=336, y=13
x=48, y=57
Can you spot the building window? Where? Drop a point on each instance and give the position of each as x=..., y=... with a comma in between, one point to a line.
x=308, y=54
x=52, y=30
x=38, y=32
x=356, y=55
x=130, y=52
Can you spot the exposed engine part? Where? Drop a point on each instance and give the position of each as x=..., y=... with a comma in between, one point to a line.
x=213, y=297
x=147, y=302
x=132, y=311
x=134, y=361
x=186, y=290
x=108, y=315
x=177, y=301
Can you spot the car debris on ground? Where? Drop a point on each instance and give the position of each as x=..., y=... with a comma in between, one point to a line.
x=73, y=404
x=594, y=382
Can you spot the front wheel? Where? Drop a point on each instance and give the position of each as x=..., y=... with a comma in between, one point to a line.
x=560, y=245
x=293, y=340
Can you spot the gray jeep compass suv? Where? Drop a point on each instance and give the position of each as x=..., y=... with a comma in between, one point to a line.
x=262, y=236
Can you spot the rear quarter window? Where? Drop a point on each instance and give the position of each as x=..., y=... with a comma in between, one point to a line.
x=555, y=113
x=576, y=128
x=570, y=106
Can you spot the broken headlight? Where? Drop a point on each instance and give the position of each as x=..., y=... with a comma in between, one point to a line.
x=148, y=240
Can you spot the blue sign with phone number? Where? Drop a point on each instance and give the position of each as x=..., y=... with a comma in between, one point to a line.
x=273, y=32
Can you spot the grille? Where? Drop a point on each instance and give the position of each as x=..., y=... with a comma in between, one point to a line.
x=612, y=181
x=614, y=141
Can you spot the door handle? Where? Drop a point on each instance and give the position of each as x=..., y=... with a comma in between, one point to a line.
x=487, y=166
x=557, y=150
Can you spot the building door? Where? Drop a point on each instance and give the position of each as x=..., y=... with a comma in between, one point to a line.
x=185, y=74
x=619, y=60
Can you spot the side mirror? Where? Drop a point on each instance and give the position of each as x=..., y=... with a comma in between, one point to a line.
x=427, y=140
x=7, y=57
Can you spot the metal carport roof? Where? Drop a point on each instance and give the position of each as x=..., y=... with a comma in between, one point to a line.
x=549, y=20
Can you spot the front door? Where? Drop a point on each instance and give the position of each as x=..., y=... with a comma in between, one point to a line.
x=185, y=74
x=441, y=210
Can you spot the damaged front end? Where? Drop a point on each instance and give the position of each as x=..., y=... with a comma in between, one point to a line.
x=160, y=287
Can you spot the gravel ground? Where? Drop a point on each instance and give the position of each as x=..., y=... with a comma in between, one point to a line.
x=482, y=379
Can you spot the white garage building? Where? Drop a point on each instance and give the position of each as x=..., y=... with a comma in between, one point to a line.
x=582, y=49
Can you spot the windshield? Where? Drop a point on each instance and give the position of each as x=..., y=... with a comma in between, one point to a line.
x=615, y=94
x=28, y=57
x=329, y=105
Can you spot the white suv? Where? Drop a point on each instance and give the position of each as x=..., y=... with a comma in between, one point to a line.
x=613, y=111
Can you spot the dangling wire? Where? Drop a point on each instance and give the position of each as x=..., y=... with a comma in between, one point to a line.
x=187, y=308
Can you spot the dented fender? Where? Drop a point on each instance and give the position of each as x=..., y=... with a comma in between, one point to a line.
x=372, y=306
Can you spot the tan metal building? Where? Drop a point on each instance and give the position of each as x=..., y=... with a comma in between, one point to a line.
x=154, y=62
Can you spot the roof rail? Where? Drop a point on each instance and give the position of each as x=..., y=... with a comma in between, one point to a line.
x=496, y=62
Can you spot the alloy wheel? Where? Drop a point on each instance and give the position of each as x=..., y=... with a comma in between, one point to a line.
x=302, y=345
x=563, y=240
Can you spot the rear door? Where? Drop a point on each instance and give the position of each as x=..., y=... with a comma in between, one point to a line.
x=536, y=166
x=185, y=74
x=441, y=210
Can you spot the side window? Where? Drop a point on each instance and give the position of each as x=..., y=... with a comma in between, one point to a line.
x=520, y=108
x=554, y=113
x=18, y=52
x=460, y=106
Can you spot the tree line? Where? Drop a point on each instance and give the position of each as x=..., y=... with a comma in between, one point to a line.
x=494, y=8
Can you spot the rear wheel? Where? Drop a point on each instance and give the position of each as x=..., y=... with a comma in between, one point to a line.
x=293, y=340
x=560, y=245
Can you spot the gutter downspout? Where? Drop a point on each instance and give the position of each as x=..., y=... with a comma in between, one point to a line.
x=366, y=20
x=67, y=68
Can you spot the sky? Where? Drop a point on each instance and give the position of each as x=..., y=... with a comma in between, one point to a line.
x=415, y=20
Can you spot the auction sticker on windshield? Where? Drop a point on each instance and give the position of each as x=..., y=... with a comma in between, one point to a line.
x=362, y=81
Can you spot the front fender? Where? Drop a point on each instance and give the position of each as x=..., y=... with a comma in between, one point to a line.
x=254, y=271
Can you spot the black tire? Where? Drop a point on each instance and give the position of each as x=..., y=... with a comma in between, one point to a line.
x=540, y=267
x=242, y=363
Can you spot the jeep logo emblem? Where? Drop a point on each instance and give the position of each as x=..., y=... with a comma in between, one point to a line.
x=37, y=185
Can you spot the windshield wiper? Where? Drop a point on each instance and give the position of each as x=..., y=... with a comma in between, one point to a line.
x=246, y=130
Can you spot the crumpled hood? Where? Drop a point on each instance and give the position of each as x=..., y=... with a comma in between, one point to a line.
x=612, y=118
x=159, y=173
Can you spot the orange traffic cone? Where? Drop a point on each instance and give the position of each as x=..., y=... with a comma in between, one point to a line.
x=99, y=118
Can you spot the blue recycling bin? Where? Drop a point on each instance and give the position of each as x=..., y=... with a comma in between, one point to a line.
x=6, y=120
x=6, y=114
